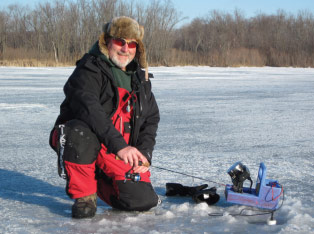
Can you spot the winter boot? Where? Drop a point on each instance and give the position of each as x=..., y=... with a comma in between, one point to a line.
x=84, y=207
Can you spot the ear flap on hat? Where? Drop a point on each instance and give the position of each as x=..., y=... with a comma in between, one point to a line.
x=141, y=55
x=103, y=45
x=141, y=32
x=106, y=27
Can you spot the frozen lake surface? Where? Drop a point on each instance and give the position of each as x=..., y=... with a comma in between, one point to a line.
x=210, y=119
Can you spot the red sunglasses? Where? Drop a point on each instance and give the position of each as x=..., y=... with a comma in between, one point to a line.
x=121, y=42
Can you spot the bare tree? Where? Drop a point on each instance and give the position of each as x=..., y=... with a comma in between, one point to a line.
x=159, y=19
x=4, y=21
x=63, y=30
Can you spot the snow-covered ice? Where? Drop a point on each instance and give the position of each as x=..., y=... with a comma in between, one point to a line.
x=210, y=118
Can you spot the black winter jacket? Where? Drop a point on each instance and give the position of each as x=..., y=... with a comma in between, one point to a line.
x=92, y=96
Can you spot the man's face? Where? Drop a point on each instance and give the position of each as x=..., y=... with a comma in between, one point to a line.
x=121, y=51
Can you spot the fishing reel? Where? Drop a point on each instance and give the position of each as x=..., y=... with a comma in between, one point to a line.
x=239, y=173
x=135, y=177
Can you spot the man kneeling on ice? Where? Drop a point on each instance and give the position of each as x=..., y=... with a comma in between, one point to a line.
x=106, y=130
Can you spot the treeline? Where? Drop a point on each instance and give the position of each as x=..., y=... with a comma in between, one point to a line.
x=264, y=40
x=60, y=32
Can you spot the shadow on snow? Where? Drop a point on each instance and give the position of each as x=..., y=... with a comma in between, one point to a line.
x=23, y=188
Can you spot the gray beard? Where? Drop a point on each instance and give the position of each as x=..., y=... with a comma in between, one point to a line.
x=118, y=63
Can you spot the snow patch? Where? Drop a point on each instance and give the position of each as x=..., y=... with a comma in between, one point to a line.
x=20, y=106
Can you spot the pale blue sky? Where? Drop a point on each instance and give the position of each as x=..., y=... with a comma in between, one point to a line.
x=199, y=8
x=249, y=8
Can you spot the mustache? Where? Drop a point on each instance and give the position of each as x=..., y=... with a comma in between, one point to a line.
x=123, y=54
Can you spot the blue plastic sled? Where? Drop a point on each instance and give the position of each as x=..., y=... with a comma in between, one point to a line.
x=265, y=195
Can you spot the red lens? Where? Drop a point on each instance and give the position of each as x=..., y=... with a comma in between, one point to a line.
x=121, y=42
x=132, y=44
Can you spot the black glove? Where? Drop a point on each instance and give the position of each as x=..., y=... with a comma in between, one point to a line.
x=173, y=189
x=207, y=195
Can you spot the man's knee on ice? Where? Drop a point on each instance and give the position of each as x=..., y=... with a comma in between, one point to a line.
x=135, y=196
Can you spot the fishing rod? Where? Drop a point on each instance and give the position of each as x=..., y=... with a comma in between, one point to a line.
x=192, y=176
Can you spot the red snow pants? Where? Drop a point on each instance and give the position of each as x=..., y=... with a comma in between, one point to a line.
x=90, y=169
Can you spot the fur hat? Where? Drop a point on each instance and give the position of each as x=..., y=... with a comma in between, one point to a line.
x=127, y=28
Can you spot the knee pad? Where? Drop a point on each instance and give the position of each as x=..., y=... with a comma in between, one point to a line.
x=82, y=145
x=134, y=196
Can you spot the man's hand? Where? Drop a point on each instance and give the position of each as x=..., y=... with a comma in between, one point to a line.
x=131, y=155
